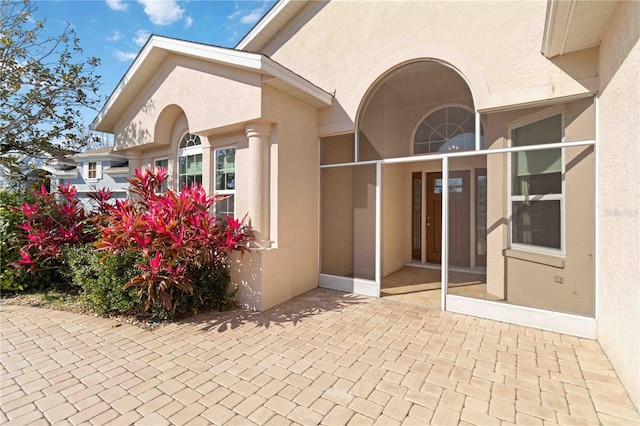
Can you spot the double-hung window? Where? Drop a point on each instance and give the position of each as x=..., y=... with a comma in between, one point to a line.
x=537, y=190
x=225, y=180
x=93, y=170
x=189, y=161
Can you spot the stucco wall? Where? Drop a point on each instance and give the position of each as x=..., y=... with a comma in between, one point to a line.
x=207, y=93
x=396, y=188
x=618, y=150
x=526, y=278
x=294, y=184
x=502, y=65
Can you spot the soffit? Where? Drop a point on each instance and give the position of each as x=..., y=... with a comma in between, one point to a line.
x=575, y=25
x=157, y=49
x=270, y=24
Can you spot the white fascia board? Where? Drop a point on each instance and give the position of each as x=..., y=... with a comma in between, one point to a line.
x=111, y=172
x=280, y=72
x=66, y=174
x=231, y=57
x=263, y=24
x=556, y=27
x=98, y=156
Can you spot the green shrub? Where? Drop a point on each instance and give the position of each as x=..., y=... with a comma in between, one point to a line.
x=102, y=279
x=210, y=291
x=10, y=279
x=182, y=244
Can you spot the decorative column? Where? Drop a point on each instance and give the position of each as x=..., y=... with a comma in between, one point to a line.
x=207, y=166
x=135, y=160
x=259, y=181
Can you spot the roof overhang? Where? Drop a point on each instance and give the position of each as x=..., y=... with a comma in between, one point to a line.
x=83, y=156
x=270, y=24
x=572, y=25
x=158, y=48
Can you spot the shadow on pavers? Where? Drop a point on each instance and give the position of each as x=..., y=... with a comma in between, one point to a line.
x=292, y=311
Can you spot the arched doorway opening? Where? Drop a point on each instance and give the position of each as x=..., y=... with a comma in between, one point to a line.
x=422, y=109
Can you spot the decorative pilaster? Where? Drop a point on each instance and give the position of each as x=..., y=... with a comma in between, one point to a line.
x=258, y=181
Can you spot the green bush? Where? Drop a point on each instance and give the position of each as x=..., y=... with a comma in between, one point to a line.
x=210, y=291
x=10, y=279
x=102, y=278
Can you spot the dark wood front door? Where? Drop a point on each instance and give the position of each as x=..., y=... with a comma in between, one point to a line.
x=459, y=218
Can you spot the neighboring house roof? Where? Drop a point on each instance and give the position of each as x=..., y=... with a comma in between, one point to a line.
x=575, y=25
x=105, y=153
x=120, y=170
x=158, y=48
x=270, y=24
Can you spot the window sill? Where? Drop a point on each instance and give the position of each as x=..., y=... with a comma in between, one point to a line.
x=544, y=259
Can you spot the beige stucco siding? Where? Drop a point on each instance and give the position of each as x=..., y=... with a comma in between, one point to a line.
x=210, y=95
x=295, y=185
x=618, y=150
x=526, y=278
x=497, y=52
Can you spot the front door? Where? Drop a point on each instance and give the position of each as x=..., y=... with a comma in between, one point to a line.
x=459, y=218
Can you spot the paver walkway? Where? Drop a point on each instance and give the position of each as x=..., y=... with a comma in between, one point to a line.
x=324, y=357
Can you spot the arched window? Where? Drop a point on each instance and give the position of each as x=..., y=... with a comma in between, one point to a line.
x=189, y=161
x=450, y=128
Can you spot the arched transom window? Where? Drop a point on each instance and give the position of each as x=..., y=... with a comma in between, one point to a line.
x=450, y=128
x=189, y=161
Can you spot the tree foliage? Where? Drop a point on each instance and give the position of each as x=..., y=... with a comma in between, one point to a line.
x=45, y=82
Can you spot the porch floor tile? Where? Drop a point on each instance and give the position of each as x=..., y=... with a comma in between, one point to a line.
x=323, y=357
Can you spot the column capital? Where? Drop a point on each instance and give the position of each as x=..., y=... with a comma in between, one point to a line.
x=258, y=129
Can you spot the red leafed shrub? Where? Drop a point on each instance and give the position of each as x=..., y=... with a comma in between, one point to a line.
x=175, y=232
x=54, y=221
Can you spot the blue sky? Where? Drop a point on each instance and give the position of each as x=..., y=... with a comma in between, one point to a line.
x=116, y=30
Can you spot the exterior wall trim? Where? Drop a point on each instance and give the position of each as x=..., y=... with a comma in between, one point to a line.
x=558, y=322
x=360, y=286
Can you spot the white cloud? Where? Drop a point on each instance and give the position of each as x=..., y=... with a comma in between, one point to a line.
x=248, y=16
x=253, y=16
x=235, y=14
x=117, y=4
x=115, y=37
x=124, y=56
x=141, y=37
x=162, y=12
x=188, y=22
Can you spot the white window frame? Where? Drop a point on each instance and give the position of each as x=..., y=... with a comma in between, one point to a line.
x=215, y=172
x=431, y=111
x=561, y=252
x=187, y=152
x=86, y=170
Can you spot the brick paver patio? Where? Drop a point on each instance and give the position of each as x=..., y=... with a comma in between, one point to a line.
x=324, y=357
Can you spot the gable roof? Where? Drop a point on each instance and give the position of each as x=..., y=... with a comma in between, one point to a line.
x=158, y=48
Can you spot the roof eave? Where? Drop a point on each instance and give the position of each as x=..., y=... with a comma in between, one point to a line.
x=300, y=88
x=565, y=20
x=556, y=26
x=270, y=24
